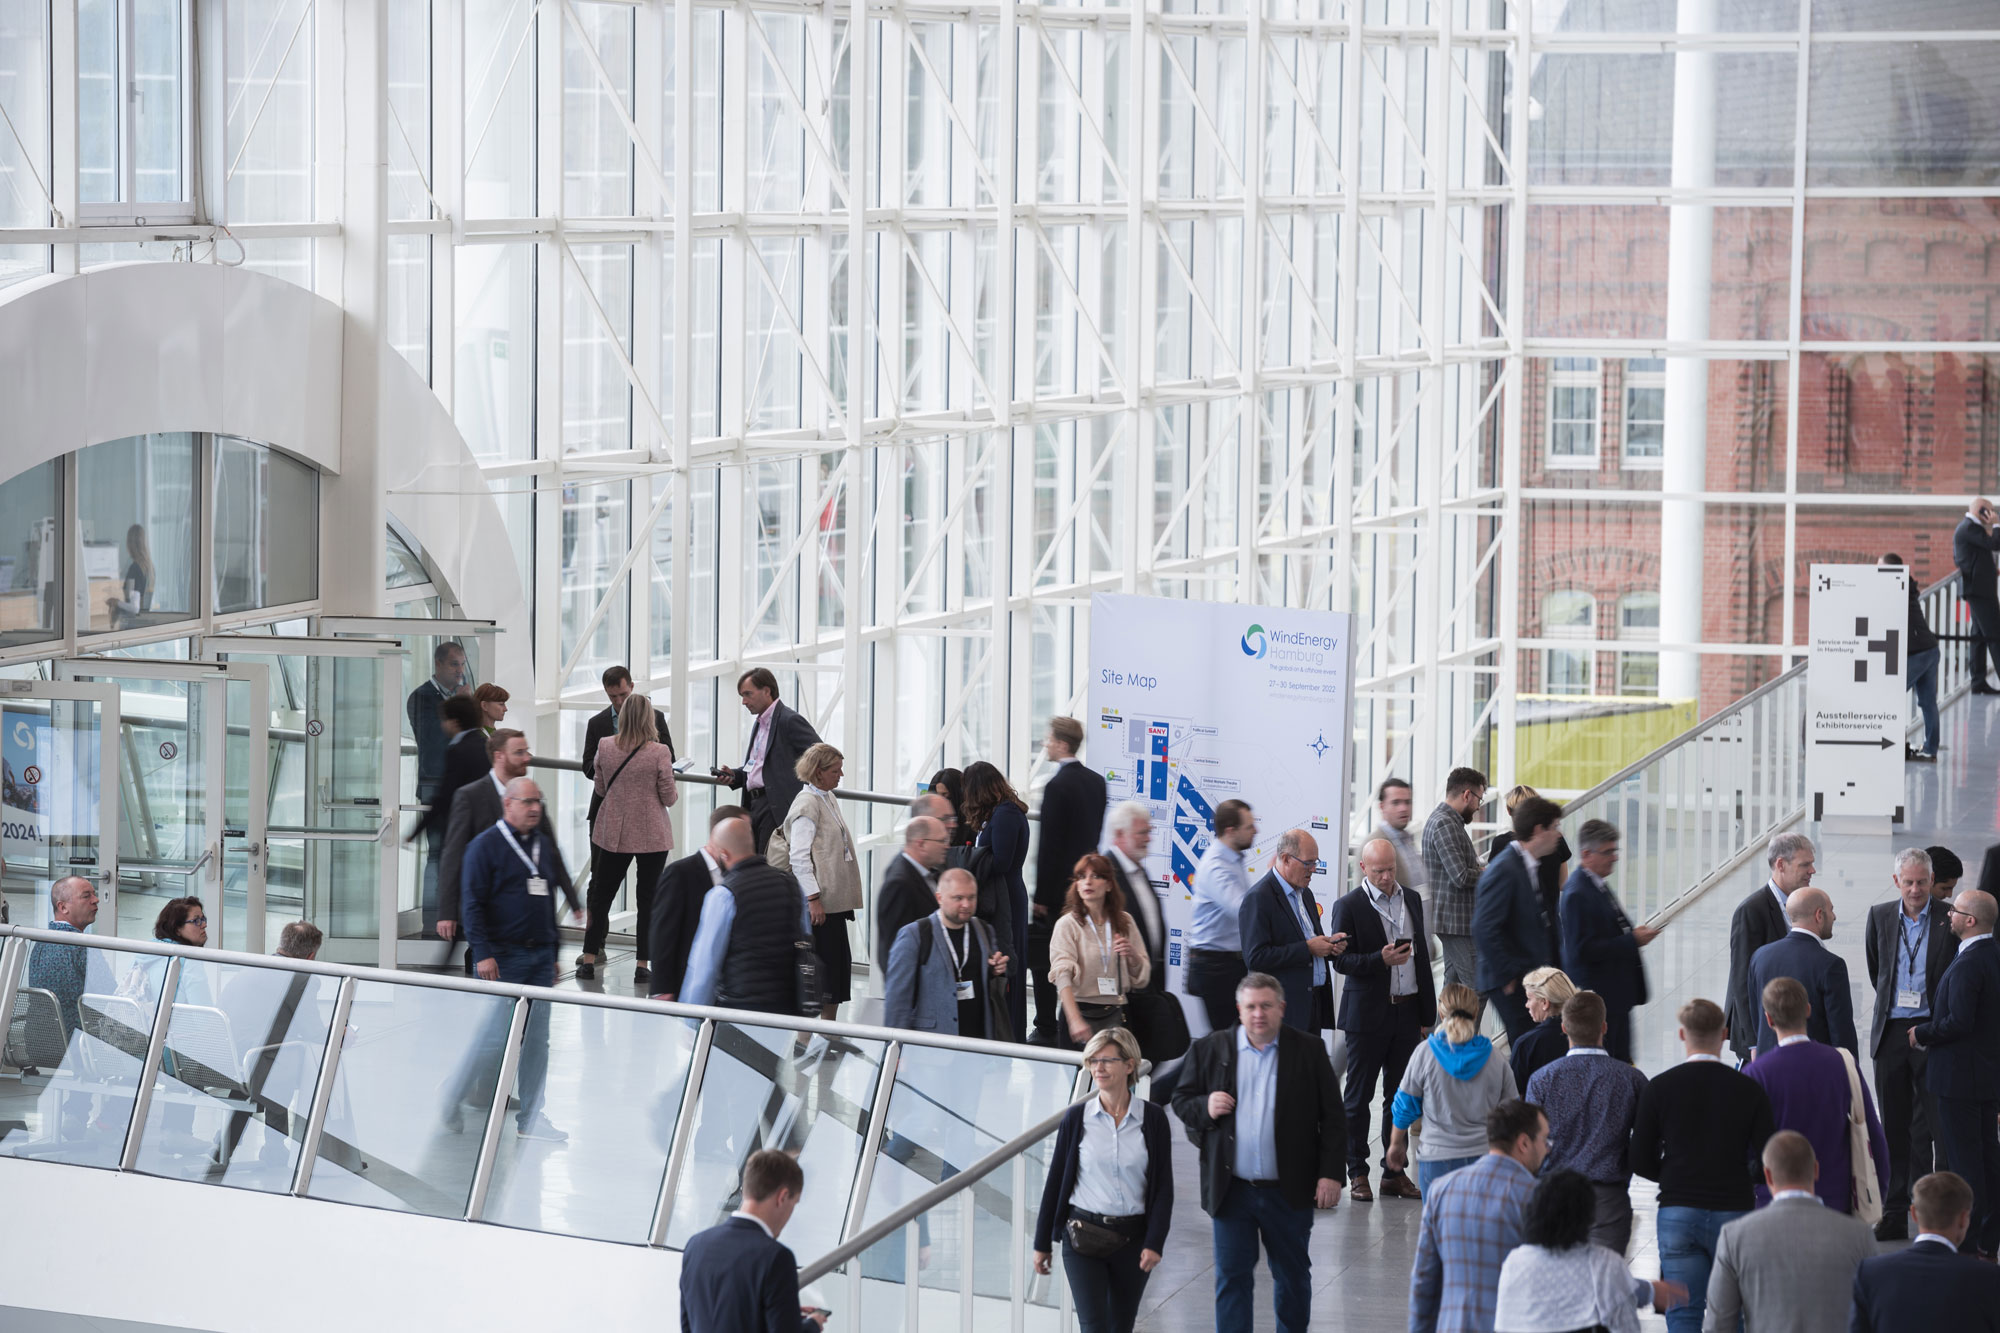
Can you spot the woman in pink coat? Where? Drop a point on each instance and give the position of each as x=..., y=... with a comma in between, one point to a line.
x=635, y=778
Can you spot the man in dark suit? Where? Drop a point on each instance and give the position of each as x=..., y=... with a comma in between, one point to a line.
x=1510, y=926
x=1072, y=823
x=476, y=807
x=777, y=738
x=1386, y=1004
x=1600, y=946
x=1759, y=919
x=1930, y=1285
x=738, y=1277
x=1803, y=956
x=1973, y=543
x=1909, y=946
x=617, y=688
x=909, y=885
x=1261, y=1102
x=1279, y=922
x=1963, y=1072
x=677, y=906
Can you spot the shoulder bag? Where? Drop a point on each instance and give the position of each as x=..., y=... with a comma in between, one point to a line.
x=1157, y=1022
x=1866, y=1198
x=597, y=800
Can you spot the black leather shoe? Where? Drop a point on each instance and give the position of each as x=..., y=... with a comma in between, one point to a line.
x=1893, y=1228
x=585, y=971
x=640, y=974
x=1983, y=688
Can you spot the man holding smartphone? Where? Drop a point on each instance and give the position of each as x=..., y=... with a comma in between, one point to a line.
x=1386, y=1006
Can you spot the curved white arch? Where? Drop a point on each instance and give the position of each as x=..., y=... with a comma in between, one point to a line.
x=135, y=348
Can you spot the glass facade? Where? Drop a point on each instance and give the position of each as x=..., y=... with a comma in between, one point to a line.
x=868, y=346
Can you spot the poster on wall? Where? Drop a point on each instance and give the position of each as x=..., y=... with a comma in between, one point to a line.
x=1855, y=709
x=26, y=791
x=1195, y=703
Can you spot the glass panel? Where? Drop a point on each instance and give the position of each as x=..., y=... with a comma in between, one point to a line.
x=949, y=1109
x=597, y=153
x=270, y=92
x=1650, y=16
x=410, y=302
x=97, y=100
x=24, y=93
x=596, y=522
x=500, y=109
x=243, y=1054
x=415, y=1082
x=408, y=50
x=494, y=399
x=1601, y=272
x=1905, y=113
x=1742, y=437
x=614, y=1085
x=136, y=541
x=166, y=780
x=50, y=754
x=266, y=527
x=1891, y=269
x=1900, y=423
x=157, y=100
x=406, y=567
x=82, y=1020
x=1609, y=119
x=30, y=573
x=1906, y=15
x=772, y=1088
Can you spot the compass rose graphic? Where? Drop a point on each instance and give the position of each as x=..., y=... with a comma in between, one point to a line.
x=1318, y=745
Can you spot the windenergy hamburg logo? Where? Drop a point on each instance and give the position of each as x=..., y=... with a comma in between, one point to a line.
x=1254, y=644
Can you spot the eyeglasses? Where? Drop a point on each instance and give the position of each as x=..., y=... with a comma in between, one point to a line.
x=1105, y=1061
x=195, y=921
x=1957, y=911
x=525, y=800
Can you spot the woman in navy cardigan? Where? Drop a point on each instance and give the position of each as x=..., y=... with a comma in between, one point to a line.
x=1112, y=1168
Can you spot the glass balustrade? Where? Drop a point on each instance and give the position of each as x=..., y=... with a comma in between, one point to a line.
x=404, y=1092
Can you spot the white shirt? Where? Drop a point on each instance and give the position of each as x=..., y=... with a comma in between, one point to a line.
x=1809, y=933
x=1590, y=1050
x=714, y=866
x=1923, y=1236
x=1111, y=1162
x=1780, y=1195
x=1534, y=863
x=930, y=876
x=1777, y=893
x=1794, y=1039
x=1139, y=900
x=1700, y=1056
x=799, y=842
x=1966, y=943
x=758, y=1220
x=1396, y=921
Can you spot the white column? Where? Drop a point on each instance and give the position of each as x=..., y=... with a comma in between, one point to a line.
x=353, y=508
x=1690, y=245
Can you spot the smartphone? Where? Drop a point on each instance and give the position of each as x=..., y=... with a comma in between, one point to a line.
x=1403, y=943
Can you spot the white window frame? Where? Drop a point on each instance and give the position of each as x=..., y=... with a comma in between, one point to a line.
x=1628, y=603
x=1569, y=373
x=125, y=211
x=1643, y=374
x=1583, y=633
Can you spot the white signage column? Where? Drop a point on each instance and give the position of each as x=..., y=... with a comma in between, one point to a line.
x=1195, y=703
x=1855, y=710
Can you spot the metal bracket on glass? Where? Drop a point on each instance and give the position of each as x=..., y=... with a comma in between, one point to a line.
x=149, y=1073
x=496, y=1119
x=663, y=1211
x=329, y=1067
x=871, y=1143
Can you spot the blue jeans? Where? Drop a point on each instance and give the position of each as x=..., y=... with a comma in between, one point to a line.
x=1248, y=1213
x=1922, y=673
x=1687, y=1252
x=1428, y=1171
x=520, y=965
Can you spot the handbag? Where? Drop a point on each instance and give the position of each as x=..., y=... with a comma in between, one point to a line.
x=1093, y=1241
x=1866, y=1199
x=1159, y=1023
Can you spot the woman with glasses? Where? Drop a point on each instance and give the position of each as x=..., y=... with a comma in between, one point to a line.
x=182, y=921
x=1096, y=955
x=1110, y=1190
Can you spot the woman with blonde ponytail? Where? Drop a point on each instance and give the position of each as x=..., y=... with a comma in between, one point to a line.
x=1451, y=1083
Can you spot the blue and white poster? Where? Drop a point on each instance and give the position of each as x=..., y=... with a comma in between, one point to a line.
x=27, y=762
x=1195, y=703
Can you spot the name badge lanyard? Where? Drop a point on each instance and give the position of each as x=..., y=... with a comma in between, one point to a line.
x=961, y=983
x=536, y=885
x=1107, y=981
x=1912, y=998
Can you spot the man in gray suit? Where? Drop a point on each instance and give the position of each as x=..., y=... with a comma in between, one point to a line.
x=476, y=807
x=1788, y=1268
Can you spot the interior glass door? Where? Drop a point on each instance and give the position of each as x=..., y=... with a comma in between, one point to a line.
x=59, y=795
x=193, y=802
x=334, y=785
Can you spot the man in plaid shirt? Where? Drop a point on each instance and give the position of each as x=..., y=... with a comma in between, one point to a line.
x=1472, y=1220
x=1454, y=872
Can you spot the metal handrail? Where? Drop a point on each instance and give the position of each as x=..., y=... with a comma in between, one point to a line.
x=844, y=793
x=937, y=1194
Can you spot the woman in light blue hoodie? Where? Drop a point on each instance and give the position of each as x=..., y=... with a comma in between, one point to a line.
x=1452, y=1081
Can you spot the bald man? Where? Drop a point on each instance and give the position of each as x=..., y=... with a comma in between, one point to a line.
x=1801, y=953
x=64, y=971
x=1963, y=1069
x=745, y=952
x=1386, y=1005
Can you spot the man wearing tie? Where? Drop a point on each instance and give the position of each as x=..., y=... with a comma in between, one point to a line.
x=1962, y=1039
x=1760, y=919
x=1909, y=946
x=1281, y=933
x=1385, y=1006
x=1972, y=546
x=1600, y=947
x=778, y=737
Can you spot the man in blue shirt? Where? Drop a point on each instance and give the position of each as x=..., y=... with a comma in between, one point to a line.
x=762, y=968
x=1215, y=946
x=1591, y=1101
x=1909, y=945
x=70, y=972
x=511, y=929
x=1282, y=936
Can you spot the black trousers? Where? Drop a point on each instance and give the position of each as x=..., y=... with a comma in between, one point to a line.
x=1380, y=1054
x=1986, y=635
x=1618, y=1032
x=1048, y=1003
x=1907, y=1114
x=1106, y=1291
x=607, y=876
x=1966, y=1133
x=836, y=958
x=1212, y=975
x=763, y=817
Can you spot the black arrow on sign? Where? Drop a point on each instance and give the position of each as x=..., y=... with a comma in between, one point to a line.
x=1882, y=744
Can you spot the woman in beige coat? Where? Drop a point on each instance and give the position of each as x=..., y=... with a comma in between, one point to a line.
x=1096, y=954
x=813, y=843
x=635, y=776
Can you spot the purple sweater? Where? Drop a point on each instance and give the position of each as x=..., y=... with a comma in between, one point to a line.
x=1807, y=1085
